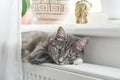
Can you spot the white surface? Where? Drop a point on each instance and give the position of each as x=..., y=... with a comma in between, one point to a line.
x=93, y=18
x=48, y=73
x=103, y=51
x=9, y=67
x=111, y=8
x=104, y=30
x=89, y=71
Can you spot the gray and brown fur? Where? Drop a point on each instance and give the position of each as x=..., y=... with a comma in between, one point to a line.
x=60, y=48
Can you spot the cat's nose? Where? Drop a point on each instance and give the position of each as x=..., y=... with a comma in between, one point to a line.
x=60, y=59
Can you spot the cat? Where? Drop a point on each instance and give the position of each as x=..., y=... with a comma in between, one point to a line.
x=60, y=48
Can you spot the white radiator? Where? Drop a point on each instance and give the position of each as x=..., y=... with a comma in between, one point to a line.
x=83, y=71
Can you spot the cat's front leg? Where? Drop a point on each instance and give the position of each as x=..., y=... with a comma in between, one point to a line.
x=38, y=57
x=39, y=60
x=33, y=55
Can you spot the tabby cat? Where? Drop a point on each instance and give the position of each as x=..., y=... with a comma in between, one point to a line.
x=60, y=48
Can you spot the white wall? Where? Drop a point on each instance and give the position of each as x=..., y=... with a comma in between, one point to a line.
x=4, y=23
x=103, y=51
x=8, y=32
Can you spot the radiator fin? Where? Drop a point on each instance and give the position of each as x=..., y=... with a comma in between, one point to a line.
x=35, y=76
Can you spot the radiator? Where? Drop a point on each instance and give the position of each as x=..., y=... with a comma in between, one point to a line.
x=83, y=71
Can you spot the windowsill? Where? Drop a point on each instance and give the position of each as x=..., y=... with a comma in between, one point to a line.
x=93, y=18
x=103, y=30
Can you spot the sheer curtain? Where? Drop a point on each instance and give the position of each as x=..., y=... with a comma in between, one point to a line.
x=10, y=63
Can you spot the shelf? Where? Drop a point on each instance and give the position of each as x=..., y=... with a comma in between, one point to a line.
x=103, y=30
x=93, y=18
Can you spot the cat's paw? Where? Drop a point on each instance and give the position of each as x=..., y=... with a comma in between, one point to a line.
x=35, y=61
x=78, y=61
x=38, y=60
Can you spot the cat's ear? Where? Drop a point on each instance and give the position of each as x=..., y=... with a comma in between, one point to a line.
x=82, y=43
x=60, y=34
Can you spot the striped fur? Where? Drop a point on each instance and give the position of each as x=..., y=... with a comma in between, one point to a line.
x=60, y=48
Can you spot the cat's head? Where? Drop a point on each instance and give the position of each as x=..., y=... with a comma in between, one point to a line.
x=64, y=48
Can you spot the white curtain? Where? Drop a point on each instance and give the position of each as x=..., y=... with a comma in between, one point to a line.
x=10, y=58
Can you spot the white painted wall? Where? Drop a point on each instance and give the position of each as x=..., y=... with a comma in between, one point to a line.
x=9, y=68
x=4, y=23
x=103, y=51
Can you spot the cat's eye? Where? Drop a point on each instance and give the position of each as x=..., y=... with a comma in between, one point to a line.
x=70, y=55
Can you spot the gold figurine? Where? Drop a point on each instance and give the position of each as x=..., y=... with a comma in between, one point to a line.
x=81, y=11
